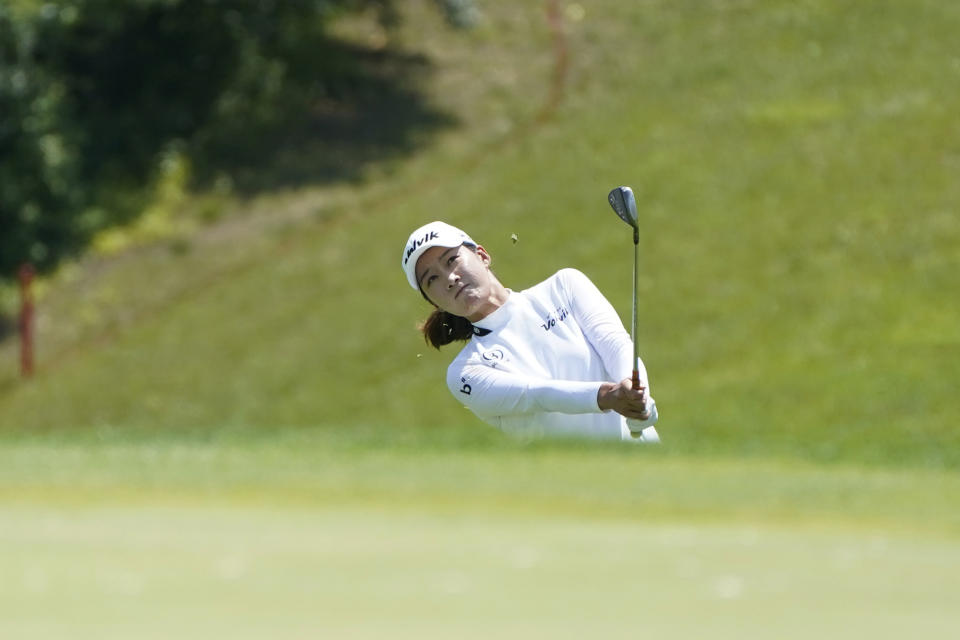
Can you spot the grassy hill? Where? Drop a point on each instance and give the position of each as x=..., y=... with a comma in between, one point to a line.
x=237, y=430
x=795, y=167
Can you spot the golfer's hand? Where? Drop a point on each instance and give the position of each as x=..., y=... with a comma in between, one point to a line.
x=623, y=399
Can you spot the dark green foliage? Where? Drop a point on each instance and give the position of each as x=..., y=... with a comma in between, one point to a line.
x=39, y=187
x=92, y=91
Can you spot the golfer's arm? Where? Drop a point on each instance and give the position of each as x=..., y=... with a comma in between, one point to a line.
x=601, y=325
x=492, y=393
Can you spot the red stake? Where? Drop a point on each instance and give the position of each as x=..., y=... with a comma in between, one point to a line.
x=25, y=275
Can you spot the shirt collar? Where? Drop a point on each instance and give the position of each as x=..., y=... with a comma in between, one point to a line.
x=495, y=320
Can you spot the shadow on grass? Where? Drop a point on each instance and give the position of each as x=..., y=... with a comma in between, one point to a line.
x=257, y=95
x=325, y=129
x=264, y=95
x=336, y=109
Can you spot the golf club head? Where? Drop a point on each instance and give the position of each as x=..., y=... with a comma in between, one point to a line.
x=623, y=202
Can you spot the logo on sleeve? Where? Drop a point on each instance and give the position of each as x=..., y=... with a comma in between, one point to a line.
x=493, y=357
x=466, y=388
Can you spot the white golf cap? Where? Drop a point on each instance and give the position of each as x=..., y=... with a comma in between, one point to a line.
x=434, y=234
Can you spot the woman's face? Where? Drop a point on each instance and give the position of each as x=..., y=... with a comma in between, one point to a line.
x=457, y=280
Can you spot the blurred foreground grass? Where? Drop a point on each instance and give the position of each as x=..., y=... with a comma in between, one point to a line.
x=298, y=535
x=287, y=573
x=314, y=467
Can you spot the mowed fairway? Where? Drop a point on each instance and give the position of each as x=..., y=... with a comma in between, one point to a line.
x=299, y=537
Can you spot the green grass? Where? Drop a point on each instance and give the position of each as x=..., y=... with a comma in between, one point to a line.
x=226, y=571
x=303, y=467
x=244, y=435
x=303, y=534
x=375, y=575
x=795, y=170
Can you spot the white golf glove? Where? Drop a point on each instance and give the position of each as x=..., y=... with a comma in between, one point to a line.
x=643, y=429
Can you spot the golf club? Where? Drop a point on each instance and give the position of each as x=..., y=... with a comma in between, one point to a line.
x=625, y=205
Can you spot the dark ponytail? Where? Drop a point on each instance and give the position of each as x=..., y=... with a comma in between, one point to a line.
x=443, y=328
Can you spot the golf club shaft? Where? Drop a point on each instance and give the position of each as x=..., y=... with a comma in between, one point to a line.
x=625, y=206
x=636, y=281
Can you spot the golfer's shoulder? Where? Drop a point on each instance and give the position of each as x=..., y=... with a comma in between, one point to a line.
x=566, y=282
x=569, y=274
x=564, y=278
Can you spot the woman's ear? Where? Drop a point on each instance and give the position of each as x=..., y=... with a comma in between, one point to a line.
x=484, y=256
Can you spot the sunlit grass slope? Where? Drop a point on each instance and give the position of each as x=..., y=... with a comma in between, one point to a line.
x=795, y=165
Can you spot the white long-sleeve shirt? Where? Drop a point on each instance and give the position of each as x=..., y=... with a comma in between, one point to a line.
x=534, y=366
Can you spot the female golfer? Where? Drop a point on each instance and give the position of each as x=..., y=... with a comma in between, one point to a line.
x=553, y=359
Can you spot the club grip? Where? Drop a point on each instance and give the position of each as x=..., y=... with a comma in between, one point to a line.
x=635, y=383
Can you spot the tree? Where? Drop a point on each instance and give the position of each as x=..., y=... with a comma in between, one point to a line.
x=92, y=91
